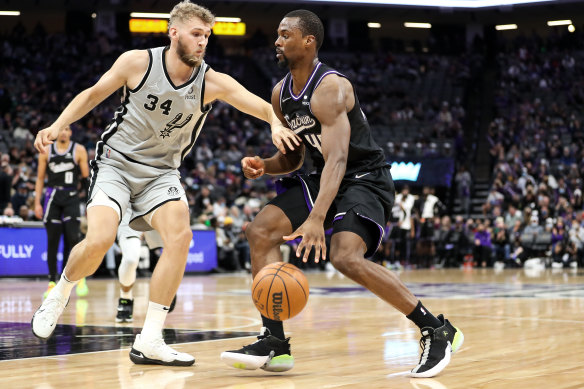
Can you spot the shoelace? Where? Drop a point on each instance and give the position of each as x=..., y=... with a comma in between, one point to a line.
x=52, y=305
x=425, y=345
x=260, y=338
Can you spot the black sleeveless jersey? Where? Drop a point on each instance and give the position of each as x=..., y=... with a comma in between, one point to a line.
x=364, y=153
x=62, y=171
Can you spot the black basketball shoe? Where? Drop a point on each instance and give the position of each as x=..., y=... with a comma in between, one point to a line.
x=125, y=311
x=437, y=345
x=268, y=353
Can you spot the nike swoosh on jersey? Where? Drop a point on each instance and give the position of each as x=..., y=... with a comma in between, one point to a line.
x=361, y=175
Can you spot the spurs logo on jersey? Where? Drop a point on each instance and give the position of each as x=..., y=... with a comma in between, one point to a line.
x=173, y=124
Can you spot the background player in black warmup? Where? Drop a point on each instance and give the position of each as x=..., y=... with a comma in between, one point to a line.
x=63, y=166
x=352, y=191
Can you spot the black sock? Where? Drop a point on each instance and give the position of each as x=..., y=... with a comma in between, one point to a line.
x=276, y=327
x=423, y=318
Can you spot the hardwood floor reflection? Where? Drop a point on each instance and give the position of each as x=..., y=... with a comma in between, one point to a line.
x=522, y=330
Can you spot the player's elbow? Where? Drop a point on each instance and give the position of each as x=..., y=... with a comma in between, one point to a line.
x=90, y=97
x=338, y=160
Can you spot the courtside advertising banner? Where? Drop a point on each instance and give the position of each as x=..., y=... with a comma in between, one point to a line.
x=23, y=252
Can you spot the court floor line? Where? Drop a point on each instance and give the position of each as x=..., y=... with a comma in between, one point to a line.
x=491, y=317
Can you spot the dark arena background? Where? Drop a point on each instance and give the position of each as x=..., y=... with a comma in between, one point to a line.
x=479, y=108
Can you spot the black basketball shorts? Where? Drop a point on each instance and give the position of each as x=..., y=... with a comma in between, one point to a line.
x=61, y=206
x=362, y=205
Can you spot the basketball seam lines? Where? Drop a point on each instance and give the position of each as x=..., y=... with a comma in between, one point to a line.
x=270, y=288
x=298, y=282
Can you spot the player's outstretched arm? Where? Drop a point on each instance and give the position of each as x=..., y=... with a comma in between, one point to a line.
x=130, y=64
x=220, y=86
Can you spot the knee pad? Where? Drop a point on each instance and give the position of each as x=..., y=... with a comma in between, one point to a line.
x=130, y=258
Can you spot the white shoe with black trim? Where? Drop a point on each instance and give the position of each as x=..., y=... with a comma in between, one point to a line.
x=45, y=319
x=156, y=352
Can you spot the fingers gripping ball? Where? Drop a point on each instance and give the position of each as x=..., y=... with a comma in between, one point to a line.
x=280, y=291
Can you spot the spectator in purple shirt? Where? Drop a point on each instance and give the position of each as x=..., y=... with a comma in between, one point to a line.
x=483, y=245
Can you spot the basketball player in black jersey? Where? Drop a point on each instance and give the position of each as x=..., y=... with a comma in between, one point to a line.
x=352, y=192
x=63, y=166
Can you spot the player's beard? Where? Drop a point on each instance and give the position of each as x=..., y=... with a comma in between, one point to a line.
x=283, y=63
x=188, y=59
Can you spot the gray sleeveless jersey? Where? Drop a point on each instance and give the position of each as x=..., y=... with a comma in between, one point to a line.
x=158, y=122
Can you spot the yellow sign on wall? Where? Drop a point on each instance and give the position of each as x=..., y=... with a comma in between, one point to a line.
x=148, y=25
x=229, y=28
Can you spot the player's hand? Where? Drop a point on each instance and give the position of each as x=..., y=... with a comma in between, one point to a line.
x=252, y=167
x=283, y=138
x=38, y=211
x=45, y=137
x=312, y=232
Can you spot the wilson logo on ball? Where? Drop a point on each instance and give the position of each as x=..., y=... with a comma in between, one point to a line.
x=277, y=305
x=280, y=291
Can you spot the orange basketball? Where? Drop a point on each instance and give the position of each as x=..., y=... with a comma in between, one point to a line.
x=280, y=291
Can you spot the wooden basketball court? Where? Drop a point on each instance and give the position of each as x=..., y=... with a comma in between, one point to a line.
x=523, y=329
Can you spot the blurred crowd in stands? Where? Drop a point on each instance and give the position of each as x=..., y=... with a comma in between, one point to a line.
x=537, y=154
x=415, y=105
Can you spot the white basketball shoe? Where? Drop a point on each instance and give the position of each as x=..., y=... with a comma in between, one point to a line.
x=156, y=352
x=46, y=317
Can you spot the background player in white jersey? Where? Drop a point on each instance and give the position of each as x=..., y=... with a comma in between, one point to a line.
x=167, y=94
x=64, y=167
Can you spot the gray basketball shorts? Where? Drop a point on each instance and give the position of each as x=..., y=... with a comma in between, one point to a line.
x=124, y=229
x=131, y=184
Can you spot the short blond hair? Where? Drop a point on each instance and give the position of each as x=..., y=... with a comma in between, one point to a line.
x=185, y=11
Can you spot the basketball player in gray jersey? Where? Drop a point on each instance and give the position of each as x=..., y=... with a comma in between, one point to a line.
x=168, y=92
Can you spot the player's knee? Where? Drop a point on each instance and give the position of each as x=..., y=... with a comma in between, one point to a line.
x=98, y=245
x=346, y=260
x=179, y=240
x=261, y=234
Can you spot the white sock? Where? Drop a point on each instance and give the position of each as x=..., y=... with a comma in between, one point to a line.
x=154, y=322
x=126, y=295
x=64, y=287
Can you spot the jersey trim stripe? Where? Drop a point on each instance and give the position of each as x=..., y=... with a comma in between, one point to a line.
x=49, y=205
x=193, y=77
x=64, y=152
x=282, y=90
x=141, y=84
x=119, y=117
x=296, y=98
x=155, y=207
x=131, y=159
x=204, y=108
x=319, y=81
x=94, y=170
x=194, y=136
